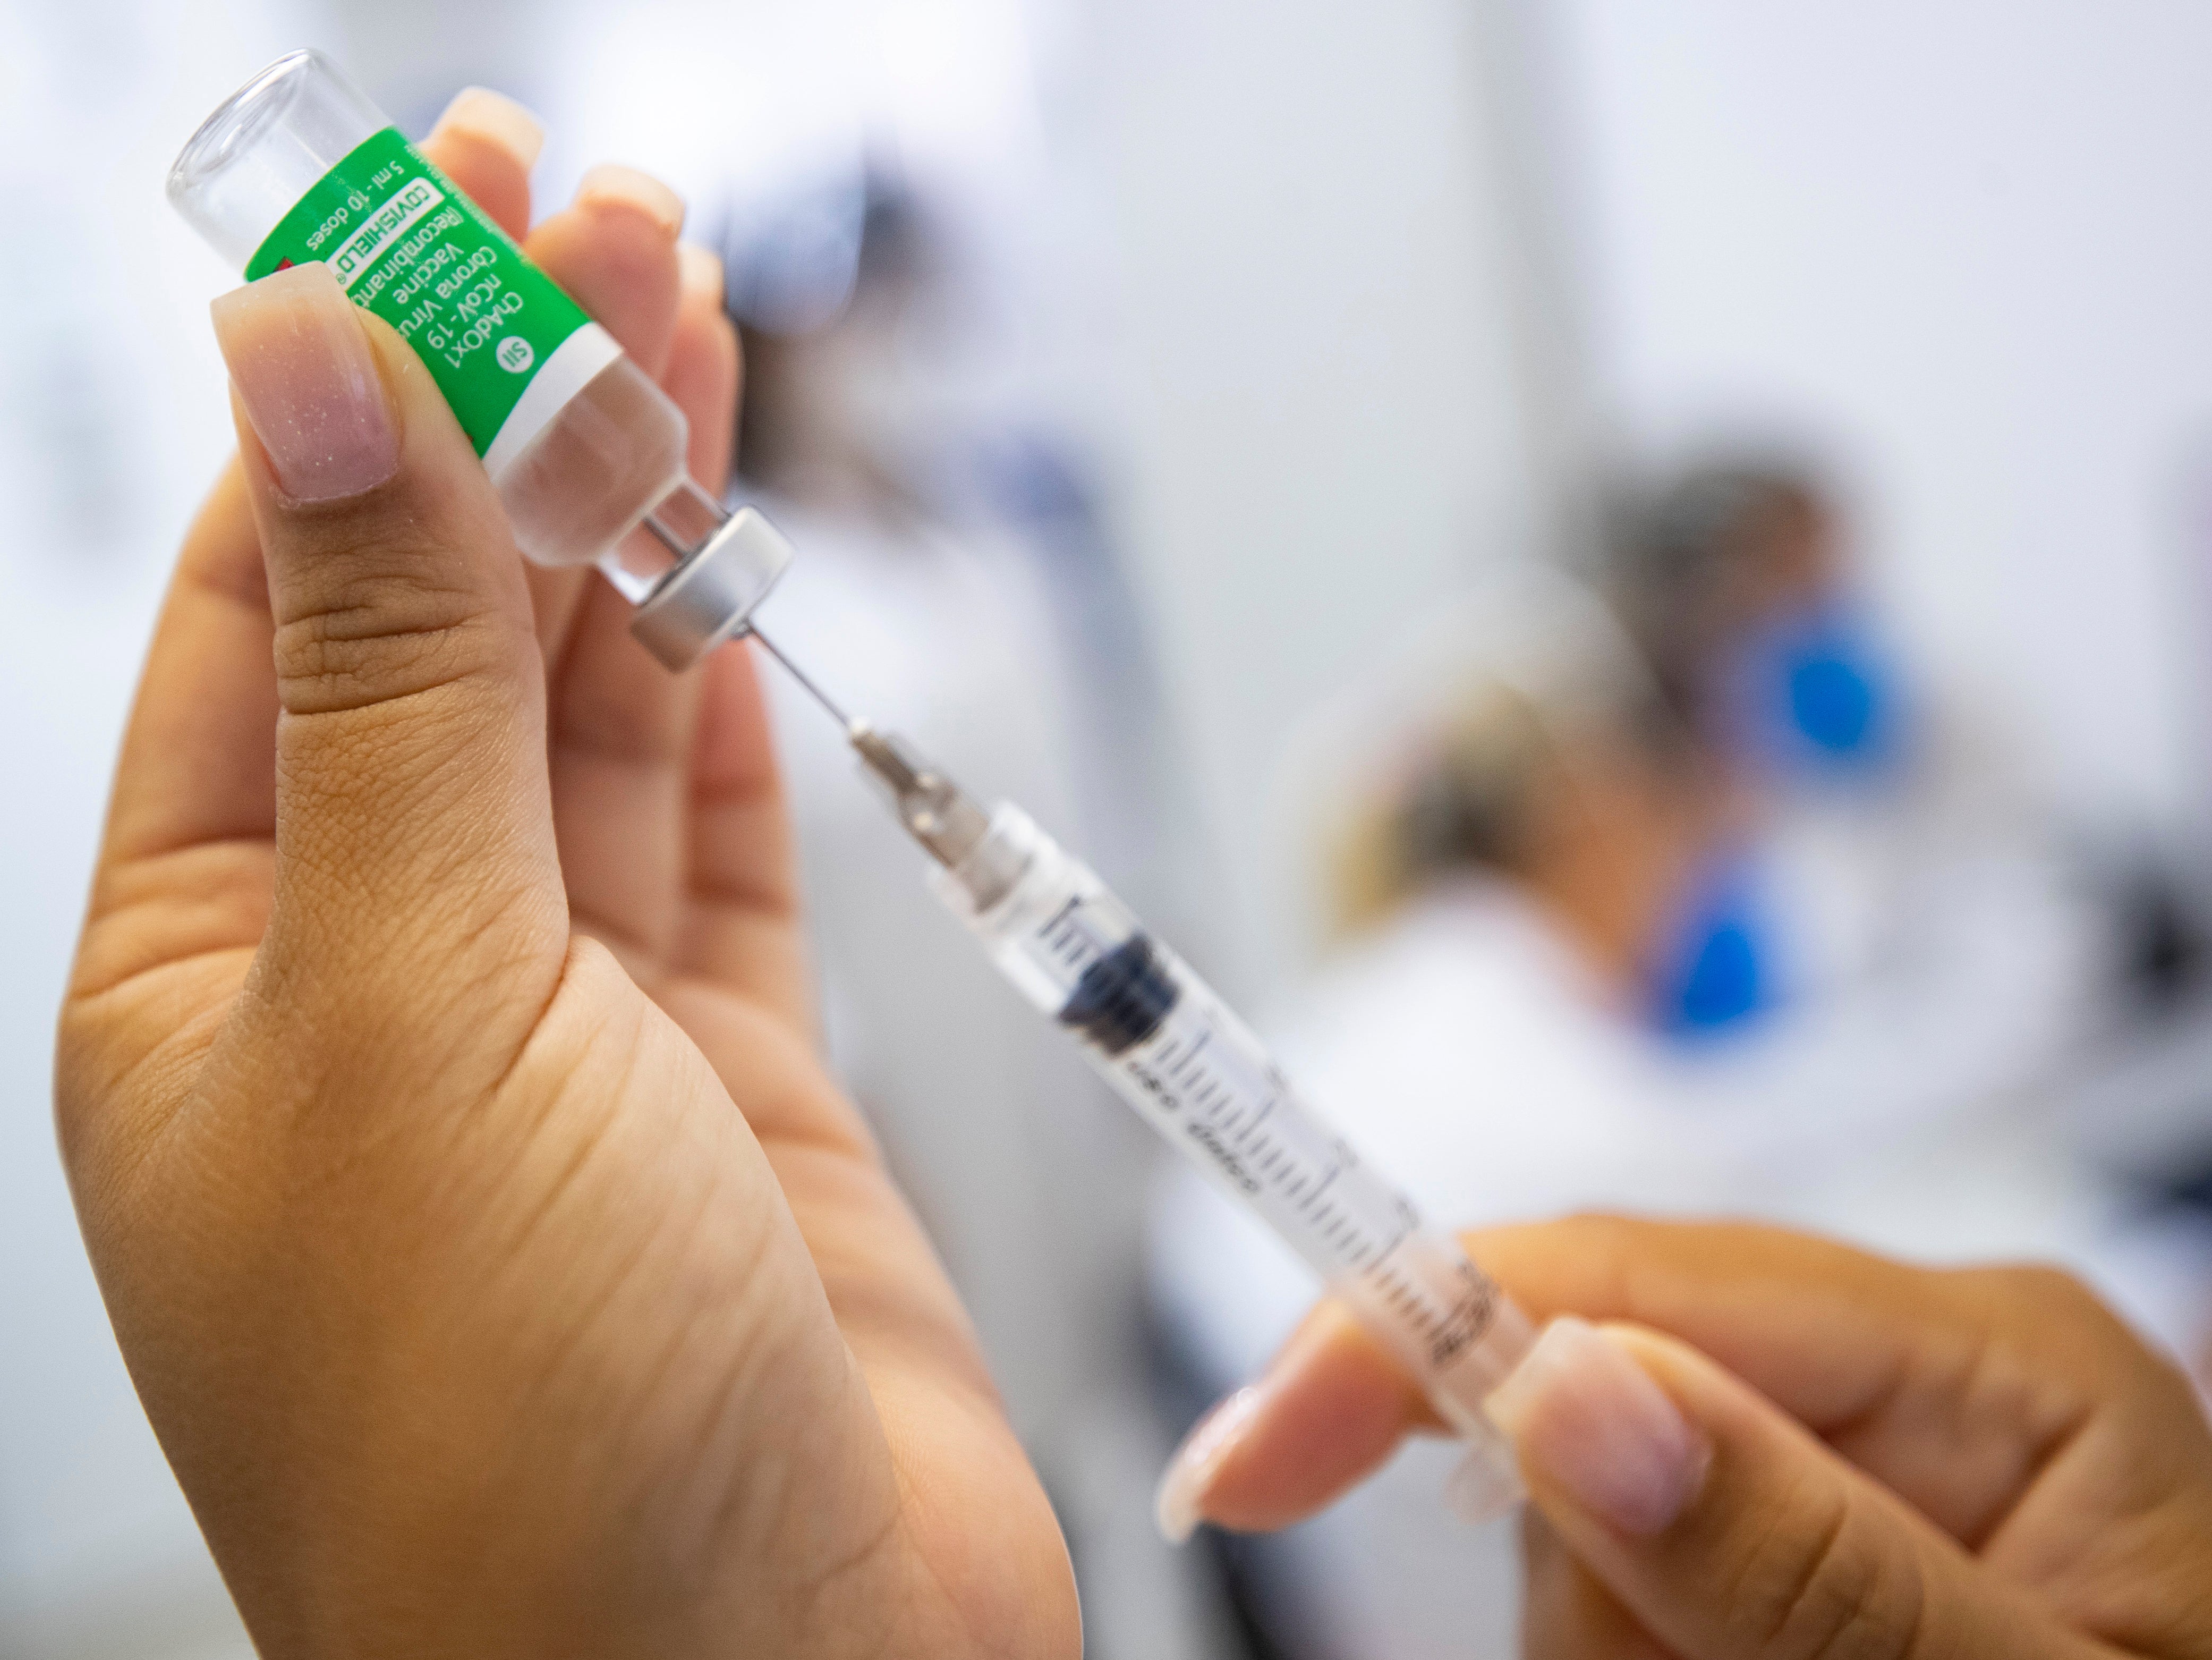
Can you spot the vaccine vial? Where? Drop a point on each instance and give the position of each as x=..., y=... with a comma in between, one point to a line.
x=587, y=453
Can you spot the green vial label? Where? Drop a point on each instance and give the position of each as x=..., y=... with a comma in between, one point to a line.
x=507, y=348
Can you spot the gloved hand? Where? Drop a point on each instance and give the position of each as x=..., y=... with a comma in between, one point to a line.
x=1775, y=1447
x=500, y=1270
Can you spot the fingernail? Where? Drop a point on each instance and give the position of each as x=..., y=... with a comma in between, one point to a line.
x=699, y=271
x=1180, y=1505
x=305, y=372
x=610, y=185
x=1581, y=1413
x=498, y=118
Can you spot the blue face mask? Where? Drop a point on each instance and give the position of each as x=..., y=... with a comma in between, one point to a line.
x=1814, y=694
x=1711, y=971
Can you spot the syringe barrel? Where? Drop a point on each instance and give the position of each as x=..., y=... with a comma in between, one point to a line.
x=1172, y=1049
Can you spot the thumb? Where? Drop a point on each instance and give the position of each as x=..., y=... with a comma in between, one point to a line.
x=414, y=821
x=1729, y=1531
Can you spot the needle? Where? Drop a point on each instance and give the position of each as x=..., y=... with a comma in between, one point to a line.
x=800, y=675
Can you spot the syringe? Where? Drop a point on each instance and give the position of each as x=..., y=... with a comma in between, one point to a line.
x=1174, y=1051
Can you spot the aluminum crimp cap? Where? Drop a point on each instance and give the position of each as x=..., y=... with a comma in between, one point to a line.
x=710, y=596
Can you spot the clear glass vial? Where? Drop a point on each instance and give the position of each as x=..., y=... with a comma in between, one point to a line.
x=609, y=463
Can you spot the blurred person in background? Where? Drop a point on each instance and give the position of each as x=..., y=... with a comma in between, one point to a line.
x=1883, y=816
x=1898, y=826
x=1910, y=870
x=1796, y=915
x=1671, y=893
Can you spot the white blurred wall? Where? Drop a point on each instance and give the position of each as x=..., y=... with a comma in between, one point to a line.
x=1318, y=365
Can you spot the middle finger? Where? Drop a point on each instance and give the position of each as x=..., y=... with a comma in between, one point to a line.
x=621, y=725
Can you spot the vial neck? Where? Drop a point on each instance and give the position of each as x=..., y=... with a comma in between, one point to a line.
x=685, y=520
x=679, y=525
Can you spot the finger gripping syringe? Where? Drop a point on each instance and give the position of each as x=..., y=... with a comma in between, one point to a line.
x=1174, y=1051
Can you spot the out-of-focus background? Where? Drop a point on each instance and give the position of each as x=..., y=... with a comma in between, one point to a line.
x=1633, y=581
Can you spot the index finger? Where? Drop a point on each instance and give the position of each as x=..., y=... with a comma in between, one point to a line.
x=1949, y=1387
x=487, y=143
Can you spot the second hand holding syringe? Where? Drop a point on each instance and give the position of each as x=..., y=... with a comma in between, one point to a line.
x=1173, y=1050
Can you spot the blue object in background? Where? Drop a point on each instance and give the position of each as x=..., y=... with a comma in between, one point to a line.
x=1834, y=703
x=1712, y=971
x=1813, y=692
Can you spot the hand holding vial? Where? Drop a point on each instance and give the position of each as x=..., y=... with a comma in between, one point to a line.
x=500, y=1270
